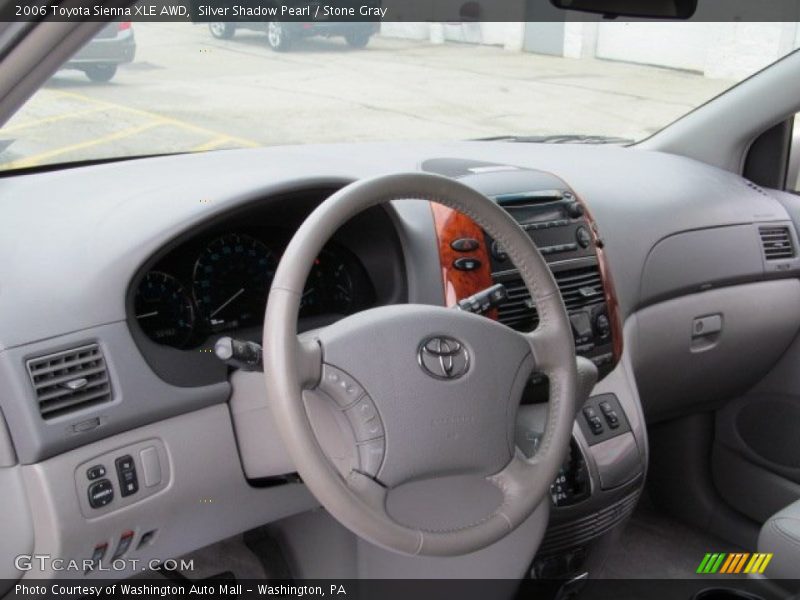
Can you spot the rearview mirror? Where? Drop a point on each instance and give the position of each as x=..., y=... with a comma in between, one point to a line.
x=643, y=9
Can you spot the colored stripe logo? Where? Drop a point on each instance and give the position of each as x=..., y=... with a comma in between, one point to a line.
x=733, y=563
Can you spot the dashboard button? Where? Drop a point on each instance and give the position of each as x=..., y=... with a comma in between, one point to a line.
x=126, y=474
x=583, y=236
x=464, y=244
x=596, y=425
x=340, y=386
x=466, y=263
x=95, y=472
x=125, y=463
x=151, y=467
x=363, y=416
x=370, y=455
x=100, y=493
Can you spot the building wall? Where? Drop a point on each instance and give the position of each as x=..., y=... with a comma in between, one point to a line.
x=718, y=50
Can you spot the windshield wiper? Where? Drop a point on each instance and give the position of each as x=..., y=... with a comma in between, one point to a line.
x=559, y=139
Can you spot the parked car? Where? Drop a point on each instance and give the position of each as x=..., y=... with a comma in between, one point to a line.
x=281, y=35
x=99, y=59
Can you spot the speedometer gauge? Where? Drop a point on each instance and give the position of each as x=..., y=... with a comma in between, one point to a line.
x=231, y=279
x=164, y=310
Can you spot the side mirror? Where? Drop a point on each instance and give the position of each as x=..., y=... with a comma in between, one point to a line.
x=643, y=9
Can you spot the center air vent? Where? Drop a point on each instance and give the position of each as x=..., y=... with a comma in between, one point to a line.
x=579, y=288
x=69, y=380
x=776, y=242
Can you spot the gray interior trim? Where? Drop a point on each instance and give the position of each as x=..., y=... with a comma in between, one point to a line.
x=781, y=536
x=206, y=500
x=748, y=487
x=260, y=444
x=8, y=457
x=762, y=317
x=138, y=395
x=710, y=135
x=317, y=546
x=15, y=523
x=638, y=199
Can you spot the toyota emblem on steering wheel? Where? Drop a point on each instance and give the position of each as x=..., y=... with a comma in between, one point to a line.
x=443, y=357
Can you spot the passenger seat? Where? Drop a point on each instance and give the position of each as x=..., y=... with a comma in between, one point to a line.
x=780, y=535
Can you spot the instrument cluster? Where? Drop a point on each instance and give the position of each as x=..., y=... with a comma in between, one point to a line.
x=220, y=284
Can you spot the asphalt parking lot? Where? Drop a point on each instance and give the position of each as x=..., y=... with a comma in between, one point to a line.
x=187, y=91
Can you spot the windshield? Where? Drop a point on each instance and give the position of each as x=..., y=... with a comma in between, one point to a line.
x=149, y=88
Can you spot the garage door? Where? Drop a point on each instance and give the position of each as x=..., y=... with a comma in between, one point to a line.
x=681, y=46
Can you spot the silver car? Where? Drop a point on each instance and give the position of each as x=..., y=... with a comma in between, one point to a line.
x=99, y=59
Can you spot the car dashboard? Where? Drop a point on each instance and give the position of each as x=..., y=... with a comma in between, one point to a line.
x=132, y=270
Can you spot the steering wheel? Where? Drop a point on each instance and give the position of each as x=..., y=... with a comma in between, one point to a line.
x=400, y=419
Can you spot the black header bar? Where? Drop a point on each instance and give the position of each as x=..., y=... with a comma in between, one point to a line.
x=454, y=11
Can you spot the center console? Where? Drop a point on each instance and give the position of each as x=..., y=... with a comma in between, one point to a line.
x=560, y=225
x=600, y=481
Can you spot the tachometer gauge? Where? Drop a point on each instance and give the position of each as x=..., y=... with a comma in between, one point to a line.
x=231, y=279
x=164, y=309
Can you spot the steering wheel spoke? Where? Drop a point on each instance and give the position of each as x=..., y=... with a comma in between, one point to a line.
x=543, y=340
x=309, y=361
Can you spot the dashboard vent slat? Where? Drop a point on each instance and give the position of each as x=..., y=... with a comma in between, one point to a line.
x=580, y=288
x=776, y=242
x=68, y=380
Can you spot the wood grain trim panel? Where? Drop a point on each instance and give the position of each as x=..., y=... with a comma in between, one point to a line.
x=612, y=303
x=452, y=225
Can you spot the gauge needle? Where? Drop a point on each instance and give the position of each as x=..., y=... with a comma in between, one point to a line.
x=228, y=301
x=145, y=315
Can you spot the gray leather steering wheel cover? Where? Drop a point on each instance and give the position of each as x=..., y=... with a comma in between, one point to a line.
x=290, y=365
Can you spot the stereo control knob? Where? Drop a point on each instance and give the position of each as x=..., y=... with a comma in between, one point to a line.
x=575, y=209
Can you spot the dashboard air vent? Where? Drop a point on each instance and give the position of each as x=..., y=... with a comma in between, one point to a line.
x=777, y=242
x=69, y=380
x=579, y=288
